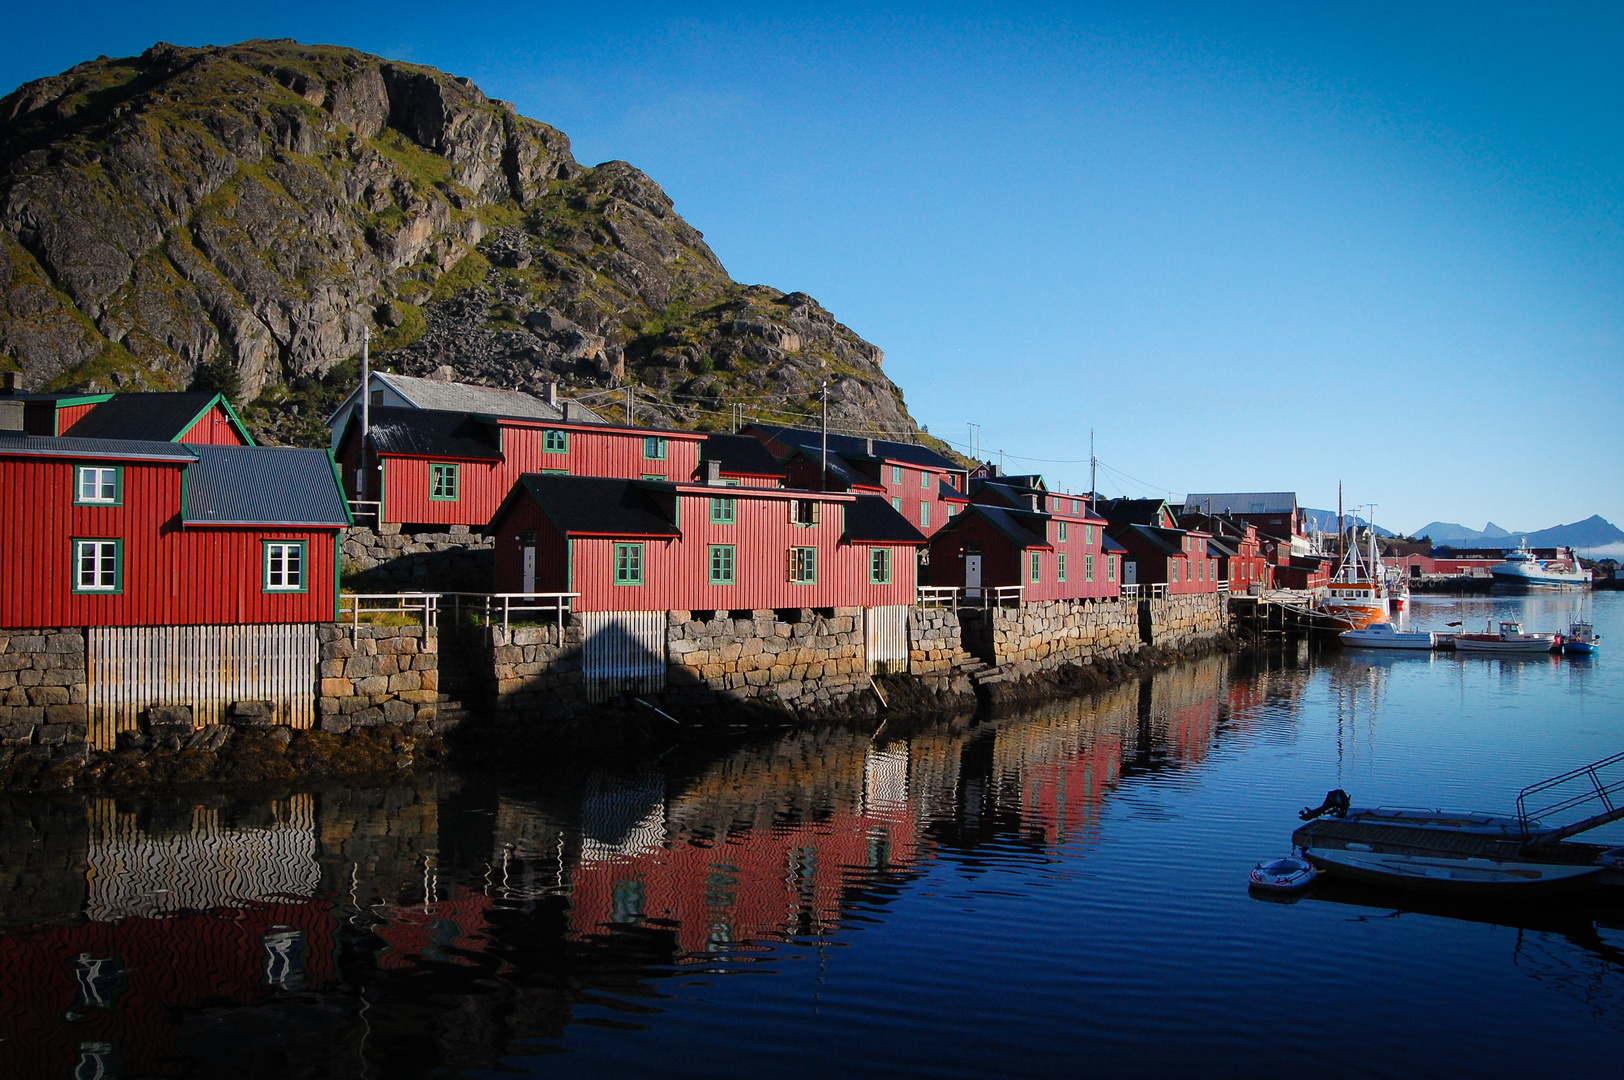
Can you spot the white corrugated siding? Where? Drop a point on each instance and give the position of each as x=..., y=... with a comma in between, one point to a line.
x=885, y=638
x=622, y=651
x=206, y=668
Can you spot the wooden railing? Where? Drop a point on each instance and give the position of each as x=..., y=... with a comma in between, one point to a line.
x=1223, y=584
x=938, y=596
x=488, y=608
x=1003, y=596
x=1154, y=591
x=423, y=605
x=366, y=510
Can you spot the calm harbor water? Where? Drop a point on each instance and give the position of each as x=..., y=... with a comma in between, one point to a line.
x=1058, y=892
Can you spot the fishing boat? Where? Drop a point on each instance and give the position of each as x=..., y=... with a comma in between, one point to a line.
x=1357, y=594
x=1442, y=851
x=1522, y=572
x=1581, y=640
x=1384, y=635
x=1510, y=639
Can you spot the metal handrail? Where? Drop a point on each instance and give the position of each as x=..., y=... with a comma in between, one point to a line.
x=358, y=509
x=425, y=604
x=488, y=605
x=937, y=595
x=1223, y=584
x=1596, y=791
x=995, y=597
x=1130, y=592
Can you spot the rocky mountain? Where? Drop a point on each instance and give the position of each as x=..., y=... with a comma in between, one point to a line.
x=237, y=217
x=1444, y=532
x=1594, y=531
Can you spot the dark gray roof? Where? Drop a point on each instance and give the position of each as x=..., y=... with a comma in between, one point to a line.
x=1016, y=525
x=490, y=400
x=856, y=448
x=432, y=433
x=1243, y=502
x=263, y=485
x=164, y=417
x=1108, y=544
x=118, y=449
x=838, y=467
x=871, y=519
x=1168, y=541
x=741, y=455
x=1135, y=511
x=592, y=505
x=948, y=491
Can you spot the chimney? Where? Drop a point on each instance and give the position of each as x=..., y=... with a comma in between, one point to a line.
x=11, y=416
x=8, y=382
x=713, y=473
x=1032, y=500
x=552, y=394
x=566, y=409
x=868, y=447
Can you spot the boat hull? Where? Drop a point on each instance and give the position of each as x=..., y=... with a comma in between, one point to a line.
x=1580, y=648
x=1394, y=641
x=1463, y=643
x=1440, y=873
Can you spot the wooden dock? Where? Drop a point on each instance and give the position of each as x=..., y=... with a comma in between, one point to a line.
x=1283, y=613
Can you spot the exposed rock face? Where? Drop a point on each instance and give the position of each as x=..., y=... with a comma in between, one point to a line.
x=268, y=202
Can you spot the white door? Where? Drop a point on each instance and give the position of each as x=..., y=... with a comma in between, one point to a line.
x=1130, y=572
x=529, y=569
x=972, y=574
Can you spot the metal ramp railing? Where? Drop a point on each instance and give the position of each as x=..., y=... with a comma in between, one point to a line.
x=1599, y=783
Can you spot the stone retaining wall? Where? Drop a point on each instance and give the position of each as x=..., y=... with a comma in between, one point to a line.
x=378, y=675
x=530, y=671
x=452, y=561
x=935, y=642
x=43, y=690
x=1179, y=620
x=804, y=665
x=1039, y=636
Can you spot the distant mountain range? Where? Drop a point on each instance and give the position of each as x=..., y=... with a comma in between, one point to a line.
x=1594, y=531
x=1327, y=521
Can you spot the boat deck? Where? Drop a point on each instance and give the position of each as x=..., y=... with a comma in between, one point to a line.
x=1456, y=844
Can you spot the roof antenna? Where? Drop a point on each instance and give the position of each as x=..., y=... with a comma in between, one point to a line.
x=366, y=408
x=823, y=471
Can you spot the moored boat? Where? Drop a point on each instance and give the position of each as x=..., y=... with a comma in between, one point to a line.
x=1522, y=572
x=1384, y=635
x=1581, y=640
x=1510, y=639
x=1289, y=874
x=1357, y=595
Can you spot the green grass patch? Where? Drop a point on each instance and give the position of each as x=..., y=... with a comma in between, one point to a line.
x=469, y=273
x=114, y=359
x=412, y=326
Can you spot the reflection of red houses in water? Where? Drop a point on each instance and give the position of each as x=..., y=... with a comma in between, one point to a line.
x=441, y=931
x=112, y=993
x=762, y=883
x=1063, y=797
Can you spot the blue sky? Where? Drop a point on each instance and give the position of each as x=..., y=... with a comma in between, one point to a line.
x=1255, y=246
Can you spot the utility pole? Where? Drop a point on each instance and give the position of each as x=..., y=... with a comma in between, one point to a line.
x=1093, y=470
x=823, y=464
x=366, y=408
x=629, y=408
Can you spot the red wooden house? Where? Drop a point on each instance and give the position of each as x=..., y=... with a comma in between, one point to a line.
x=635, y=545
x=1237, y=547
x=925, y=487
x=438, y=468
x=196, y=418
x=1014, y=532
x=107, y=532
x=1177, y=558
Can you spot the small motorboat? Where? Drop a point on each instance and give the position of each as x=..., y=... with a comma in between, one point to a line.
x=1510, y=639
x=1289, y=874
x=1384, y=635
x=1581, y=640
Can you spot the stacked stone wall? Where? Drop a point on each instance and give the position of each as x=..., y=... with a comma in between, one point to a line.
x=1178, y=620
x=935, y=642
x=528, y=670
x=805, y=665
x=43, y=690
x=1044, y=635
x=373, y=675
x=455, y=560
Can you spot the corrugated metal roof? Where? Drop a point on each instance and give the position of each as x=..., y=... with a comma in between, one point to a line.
x=594, y=505
x=123, y=449
x=1243, y=502
x=263, y=485
x=142, y=416
x=466, y=397
x=871, y=519
x=856, y=448
x=432, y=433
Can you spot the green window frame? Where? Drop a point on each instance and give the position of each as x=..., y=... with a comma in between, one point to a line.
x=555, y=442
x=1037, y=567
x=879, y=566
x=924, y=480
x=803, y=565
x=896, y=474
x=654, y=448
x=628, y=564
x=98, y=566
x=98, y=485
x=1110, y=568
x=724, y=511
x=1088, y=567
x=896, y=504
x=444, y=480
x=555, y=472
x=287, y=566
x=924, y=515
x=1175, y=570
x=1062, y=532
x=1060, y=567
x=653, y=476
x=723, y=558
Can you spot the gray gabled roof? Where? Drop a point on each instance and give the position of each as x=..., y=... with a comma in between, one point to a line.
x=432, y=433
x=263, y=485
x=1243, y=502
x=151, y=416
x=810, y=441
x=489, y=400
x=871, y=519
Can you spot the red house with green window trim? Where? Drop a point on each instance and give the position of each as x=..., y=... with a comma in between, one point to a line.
x=1015, y=532
x=637, y=545
x=195, y=418
x=111, y=532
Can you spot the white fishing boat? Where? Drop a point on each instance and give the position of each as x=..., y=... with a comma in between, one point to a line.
x=1510, y=639
x=1384, y=635
x=1441, y=851
x=1522, y=572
